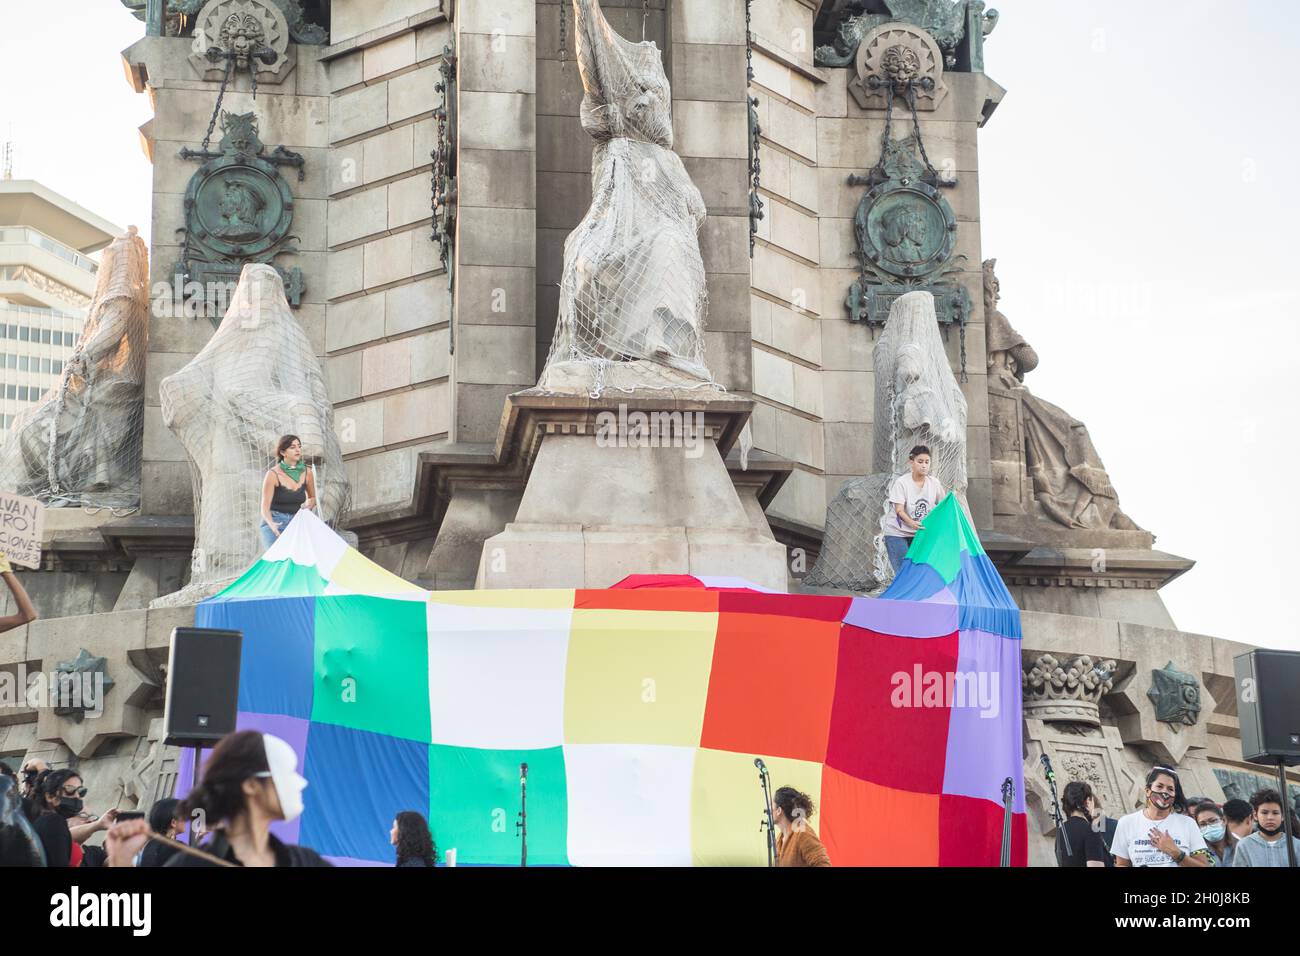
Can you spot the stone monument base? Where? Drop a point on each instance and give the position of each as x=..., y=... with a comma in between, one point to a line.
x=630, y=483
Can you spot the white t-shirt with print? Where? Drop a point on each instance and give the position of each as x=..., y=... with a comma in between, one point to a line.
x=1133, y=838
x=917, y=500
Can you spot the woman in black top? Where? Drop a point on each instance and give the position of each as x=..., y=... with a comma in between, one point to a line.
x=288, y=486
x=410, y=834
x=248, y=782
x=165, y=818
x=1085, y=844
x=59, y=800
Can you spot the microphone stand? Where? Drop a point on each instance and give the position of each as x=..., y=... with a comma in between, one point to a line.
x=1008, y=793
x=1056, y=806
x=766, y=823
x=522, y=824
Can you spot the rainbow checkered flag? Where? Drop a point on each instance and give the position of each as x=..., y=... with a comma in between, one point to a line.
x=639, y=709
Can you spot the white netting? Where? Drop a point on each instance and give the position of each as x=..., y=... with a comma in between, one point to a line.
x=632, y=291
x=79, y=446
x=257, y=379
x=918, y=402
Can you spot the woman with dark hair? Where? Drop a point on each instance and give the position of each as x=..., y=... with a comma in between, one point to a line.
x=166, y=819
x=1085, y=844
x=59, y=799
x=249, y=781
x=796, y=844
x=1209, y=819
x=288, y=487
x=1156, y=834
x=414, y=842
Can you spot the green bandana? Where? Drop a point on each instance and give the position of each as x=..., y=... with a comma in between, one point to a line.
x=293, y=471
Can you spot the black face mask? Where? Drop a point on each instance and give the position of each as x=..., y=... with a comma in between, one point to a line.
x=1270, y=830
x=69, y=806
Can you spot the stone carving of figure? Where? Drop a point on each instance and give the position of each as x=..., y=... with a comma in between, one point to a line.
x=632, y=292
x=904, y=234
x=256, y=379
x=1010, y=356
x=92, y=455
x=917, y=402
x=1069, y=480
x=240, y=206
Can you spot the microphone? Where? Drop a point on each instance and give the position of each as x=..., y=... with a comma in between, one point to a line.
x=762, y=767
x=523, y=772
x=1047, y=767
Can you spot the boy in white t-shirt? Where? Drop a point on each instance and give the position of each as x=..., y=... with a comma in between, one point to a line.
x=912, y=496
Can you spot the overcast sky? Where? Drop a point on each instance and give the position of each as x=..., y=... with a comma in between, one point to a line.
x=1132, y=190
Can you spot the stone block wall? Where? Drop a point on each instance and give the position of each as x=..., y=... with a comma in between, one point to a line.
x=496, y=249
x=795, y=397
x=387, y=335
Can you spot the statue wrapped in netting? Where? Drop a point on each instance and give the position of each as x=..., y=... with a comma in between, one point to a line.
x=917, y=402
x=632, y=292
x=257, y=379
x=80, y=445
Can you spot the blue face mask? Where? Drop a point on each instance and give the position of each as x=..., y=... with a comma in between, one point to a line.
x=1212, y=834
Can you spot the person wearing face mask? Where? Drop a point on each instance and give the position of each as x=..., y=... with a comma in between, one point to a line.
x=1155, y=835
x=60, y=799
x=249, y=781
x=1082, y=815
x=1267, y=845
x=1217, y=839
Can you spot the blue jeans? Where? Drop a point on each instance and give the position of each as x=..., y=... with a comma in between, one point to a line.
x=268, y=536
x=896, y=548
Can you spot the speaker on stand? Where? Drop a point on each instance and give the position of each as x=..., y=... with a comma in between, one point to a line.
x=202, y=688
x=1268, y=710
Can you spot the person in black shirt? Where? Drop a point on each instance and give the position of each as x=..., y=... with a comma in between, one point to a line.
x=287, y=487
x=1086, y=847
x=410, y=834
x=165, y=818
x=248, y=782
x=60, y=799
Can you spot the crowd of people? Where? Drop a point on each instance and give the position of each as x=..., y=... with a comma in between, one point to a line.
x=249, y=782
x=1167, y=829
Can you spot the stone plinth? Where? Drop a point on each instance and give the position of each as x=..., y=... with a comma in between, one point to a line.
x=623, y=485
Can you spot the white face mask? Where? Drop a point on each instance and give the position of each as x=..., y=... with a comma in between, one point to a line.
x=288, y=783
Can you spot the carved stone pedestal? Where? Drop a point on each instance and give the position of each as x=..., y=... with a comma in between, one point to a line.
x=627, y=484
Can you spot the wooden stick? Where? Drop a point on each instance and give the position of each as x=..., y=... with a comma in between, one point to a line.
x=192, y=851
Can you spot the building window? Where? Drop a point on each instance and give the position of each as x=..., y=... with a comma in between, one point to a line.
x=24, y=333
x=11, y=361
x=22, y=393
x=45, y=336
x=57, y=367
x=11, y=391
x=23, y=363
x=45, y=366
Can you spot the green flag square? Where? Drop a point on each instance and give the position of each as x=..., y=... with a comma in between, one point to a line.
x=372, y=665
x=474, y=805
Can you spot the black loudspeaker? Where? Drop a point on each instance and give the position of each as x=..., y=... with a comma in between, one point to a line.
x=1268, y=705
x=202, y=686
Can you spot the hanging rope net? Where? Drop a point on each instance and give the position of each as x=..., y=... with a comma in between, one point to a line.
x=256, y=380
x=917, y=402
x=79, y=446
x=632, y=290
